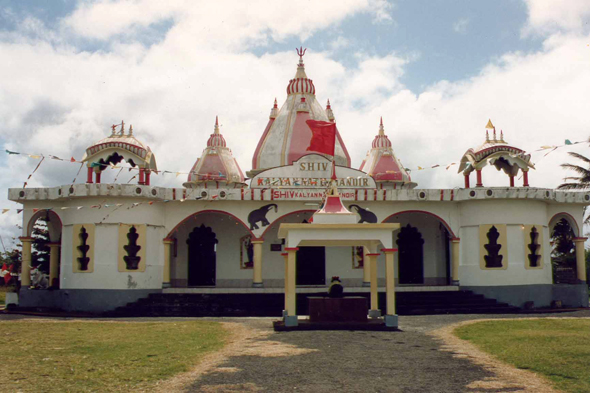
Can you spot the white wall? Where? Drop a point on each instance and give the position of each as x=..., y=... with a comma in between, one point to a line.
x=515, y=214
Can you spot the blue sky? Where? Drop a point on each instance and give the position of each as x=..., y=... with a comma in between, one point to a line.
x=445, y=39
x=435, y=70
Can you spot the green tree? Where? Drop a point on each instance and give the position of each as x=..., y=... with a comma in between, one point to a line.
x=40, y=252
x=564, y=248
x=580, y=182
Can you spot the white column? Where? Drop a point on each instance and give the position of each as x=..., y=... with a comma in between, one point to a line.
x=390, y=317
x=374, y=311
x=366, y=269
x=580, y=258
x=167, y=265
x=291, y=317
x=257, y=268
x=455, y=249
x=286, y=256
x=25, y=276
x=54, y=264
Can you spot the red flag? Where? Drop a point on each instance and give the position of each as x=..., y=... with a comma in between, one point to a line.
x=6, y=273
x=324, y=136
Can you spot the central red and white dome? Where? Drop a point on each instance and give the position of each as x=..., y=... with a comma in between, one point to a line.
x=287, y=136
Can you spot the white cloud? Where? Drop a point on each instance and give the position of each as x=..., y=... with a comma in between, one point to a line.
x=548, y=16
x=339, y=43
x=222, y=23
x=461, y=25
x=59, y=99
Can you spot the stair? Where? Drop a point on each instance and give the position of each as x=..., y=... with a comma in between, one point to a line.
x=272, y=304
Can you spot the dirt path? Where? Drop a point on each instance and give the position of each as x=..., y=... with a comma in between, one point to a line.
x=424, y=357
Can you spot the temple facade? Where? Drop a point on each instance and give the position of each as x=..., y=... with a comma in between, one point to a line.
x=218, y=232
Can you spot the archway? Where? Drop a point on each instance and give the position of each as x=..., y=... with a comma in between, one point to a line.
x=311, y=265
x=410, y=255
x=423, y=243
x=208, y=249
x=202, y=247
x=563, y=230
x=44, y=231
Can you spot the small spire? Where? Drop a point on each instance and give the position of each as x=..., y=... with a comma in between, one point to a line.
x=216, y=129
x=381, y=129
x=301, y=53
x=114, y=127
x=502, y=137
x=274, y=112
x=300, y=74
x=131, y=130
x=122, y=128
x=487, y=136
x=329, y=112
x=495, y=140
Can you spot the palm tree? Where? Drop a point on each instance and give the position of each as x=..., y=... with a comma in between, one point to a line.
x=581, y=182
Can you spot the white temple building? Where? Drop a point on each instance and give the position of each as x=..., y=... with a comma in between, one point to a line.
x=218, y=232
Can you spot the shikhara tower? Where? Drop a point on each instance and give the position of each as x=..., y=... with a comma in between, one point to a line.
x=286, y=136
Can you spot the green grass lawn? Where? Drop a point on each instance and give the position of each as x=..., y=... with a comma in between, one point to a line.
x=84, y=356
x=558, y=349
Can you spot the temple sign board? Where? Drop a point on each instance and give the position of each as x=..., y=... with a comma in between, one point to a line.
x=312, y=171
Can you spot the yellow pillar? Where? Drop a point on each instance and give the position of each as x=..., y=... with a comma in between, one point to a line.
x=374, y=312
x=366, y=270
x=167, y=265
x=580, y=258
x=25, y=276
x=291, y=317
x=257, y=248
x=455, y=242
x=54, y=264
x=286, y=256
x=390, y=317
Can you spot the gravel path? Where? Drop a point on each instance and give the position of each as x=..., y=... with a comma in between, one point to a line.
x=413, y=360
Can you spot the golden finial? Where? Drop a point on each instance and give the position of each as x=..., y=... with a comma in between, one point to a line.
x=490, y=125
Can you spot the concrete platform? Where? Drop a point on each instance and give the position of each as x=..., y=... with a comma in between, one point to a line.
x=375, y=325
x=313, y=289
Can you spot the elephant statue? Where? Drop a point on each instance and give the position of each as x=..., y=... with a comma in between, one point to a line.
x=259, y=215
x=366, y=215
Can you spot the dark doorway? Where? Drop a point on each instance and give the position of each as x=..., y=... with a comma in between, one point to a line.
x=411, y=256
x=201, y=257
x=311, y=266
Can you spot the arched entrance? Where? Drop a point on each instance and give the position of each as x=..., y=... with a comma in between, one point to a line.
x=202, y=248
x=410, y=255
x=311, y=261
x=424, y=250
x=43, y=240
x=563, y=230
x=209, y=248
